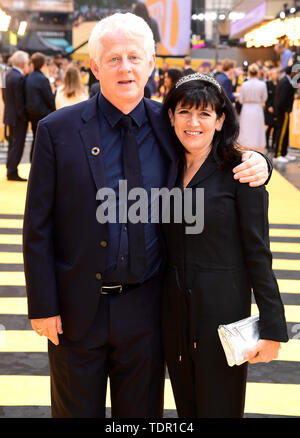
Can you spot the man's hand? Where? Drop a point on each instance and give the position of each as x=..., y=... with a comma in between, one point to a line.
x=264, y=351
x=253, y=170
x=49, y=327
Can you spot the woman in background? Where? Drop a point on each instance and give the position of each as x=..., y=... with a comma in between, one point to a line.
x=253, y=95
x=72, y=91
x=170, y=78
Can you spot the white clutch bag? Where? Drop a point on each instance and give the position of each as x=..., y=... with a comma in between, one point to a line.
x=238, y=337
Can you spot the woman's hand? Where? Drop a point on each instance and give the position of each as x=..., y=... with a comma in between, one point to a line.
x=264, y=351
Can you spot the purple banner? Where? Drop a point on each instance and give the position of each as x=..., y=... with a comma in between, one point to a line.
x=255, y=16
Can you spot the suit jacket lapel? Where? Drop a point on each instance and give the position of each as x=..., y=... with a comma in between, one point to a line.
x=90, y=135
x=165, y=137
x=208, y=168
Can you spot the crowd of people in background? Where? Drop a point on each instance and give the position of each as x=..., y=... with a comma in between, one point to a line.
x=261, y=92
x=34, y=87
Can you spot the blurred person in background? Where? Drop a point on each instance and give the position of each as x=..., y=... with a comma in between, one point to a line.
x=53, y=72
x=39, y=98
x=205, y=67
x=187, y=66
x=225, y=78
x=14, y=112
x=171, y=77
x=285, y=55
x=161, y=80
x=253, y=95
x=140, y=9
x=72, y=91
x=270, y=120
x=217, y=69
x=283, y=104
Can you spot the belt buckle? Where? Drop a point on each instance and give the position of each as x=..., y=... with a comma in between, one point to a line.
x=112, y=289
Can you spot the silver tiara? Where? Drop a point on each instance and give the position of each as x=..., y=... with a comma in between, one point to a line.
x=199, y=77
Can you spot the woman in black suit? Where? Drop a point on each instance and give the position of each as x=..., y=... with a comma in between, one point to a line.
x=210, y=275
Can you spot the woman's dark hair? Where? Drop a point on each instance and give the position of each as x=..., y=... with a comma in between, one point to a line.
x=201, y=94
x=174, y=74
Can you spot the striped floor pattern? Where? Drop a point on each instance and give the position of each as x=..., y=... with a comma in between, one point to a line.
x=273, y=390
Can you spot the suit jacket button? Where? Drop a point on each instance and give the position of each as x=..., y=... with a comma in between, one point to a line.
x=98, y=276
x=103, y=243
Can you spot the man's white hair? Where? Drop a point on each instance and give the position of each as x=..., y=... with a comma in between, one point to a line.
x=128, y=23
x=19, y=58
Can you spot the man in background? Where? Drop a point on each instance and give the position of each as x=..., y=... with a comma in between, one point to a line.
x=286, y=57
x=14, y=112
x=283, y=102
x=226, y=76
x=39, y=98
x=187, y=69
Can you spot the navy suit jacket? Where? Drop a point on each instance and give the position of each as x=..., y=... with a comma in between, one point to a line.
x=63, y=256
x=14, y=98
x=226, y=83
x=39, y=99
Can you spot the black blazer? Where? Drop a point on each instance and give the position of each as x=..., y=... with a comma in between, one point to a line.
x=269, y=117
x=40, y=100
x=284, y=96
x=231, y=256
x=63, y=255
x=14, y=99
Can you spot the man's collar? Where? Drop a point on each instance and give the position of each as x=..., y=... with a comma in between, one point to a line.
x=19, y=70
x=113, y=114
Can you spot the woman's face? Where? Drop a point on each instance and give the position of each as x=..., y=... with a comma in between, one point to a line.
x=167, y=81
x=195, y=127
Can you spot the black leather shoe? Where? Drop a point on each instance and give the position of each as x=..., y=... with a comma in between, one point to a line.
x=15, y=178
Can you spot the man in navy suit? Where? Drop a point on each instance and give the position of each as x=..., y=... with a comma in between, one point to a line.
x=14, y=112
x=225, y=78
x=102, y=319
x=39, y=99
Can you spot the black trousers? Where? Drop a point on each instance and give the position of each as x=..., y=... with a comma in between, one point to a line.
x=282, y=134
x=203, y=384
x=124, y=344
x=271, y=129
x=16, y=143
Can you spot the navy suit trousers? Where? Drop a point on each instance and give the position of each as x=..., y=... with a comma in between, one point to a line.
x=16, y=143
x=124, y=344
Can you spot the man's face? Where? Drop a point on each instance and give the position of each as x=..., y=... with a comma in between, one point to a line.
x=123, y=69
x=26, y=67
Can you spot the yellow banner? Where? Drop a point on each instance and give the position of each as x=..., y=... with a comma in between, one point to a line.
x=13, y=39
x=174, y=21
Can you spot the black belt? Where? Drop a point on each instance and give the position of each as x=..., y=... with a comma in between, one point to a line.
x=115, y=289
